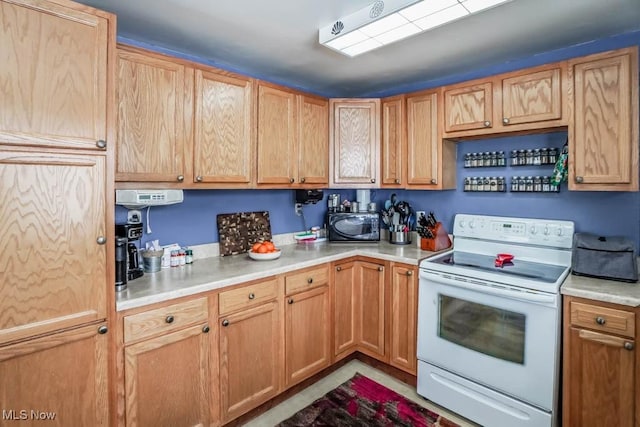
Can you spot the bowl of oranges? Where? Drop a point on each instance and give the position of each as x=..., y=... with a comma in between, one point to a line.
x=264, y=251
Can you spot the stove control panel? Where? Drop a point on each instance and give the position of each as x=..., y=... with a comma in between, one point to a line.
x=544, y=232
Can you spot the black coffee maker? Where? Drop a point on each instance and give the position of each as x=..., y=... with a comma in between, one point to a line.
x=132, y=232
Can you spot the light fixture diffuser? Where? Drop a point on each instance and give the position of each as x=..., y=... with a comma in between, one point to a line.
x=387, y=21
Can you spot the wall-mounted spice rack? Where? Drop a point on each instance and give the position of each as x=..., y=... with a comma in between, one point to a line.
x=532, y=184
x=492, y=184
x=533, y=157
x=488, y=159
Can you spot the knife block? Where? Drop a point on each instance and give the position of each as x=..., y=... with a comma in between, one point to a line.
x=440, y=241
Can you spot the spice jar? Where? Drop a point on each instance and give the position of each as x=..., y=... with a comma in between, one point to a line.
x=501, y=184
x=188, y=256
x=493, y=158
x=474, y=184
x=537, y=157
x=486, y=158
x=467, y=184
x=175, y=261
x=528, y=184
x=537, y=184
x=501, y=159
x=514, y=184
x=546, y=187
x=522, y=184
x=467, y=160
x=487, y=184
x=544, y=156
x=553, y=155
x=529, y=157
x=493, y=183
x=522, y=160
x=514, y=157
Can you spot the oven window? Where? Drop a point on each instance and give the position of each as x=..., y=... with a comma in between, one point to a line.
x=489, y=330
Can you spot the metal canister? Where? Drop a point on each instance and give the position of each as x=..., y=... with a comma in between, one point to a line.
x=188, y=256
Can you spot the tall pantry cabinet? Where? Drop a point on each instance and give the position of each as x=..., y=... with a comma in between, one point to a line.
x=56, y=198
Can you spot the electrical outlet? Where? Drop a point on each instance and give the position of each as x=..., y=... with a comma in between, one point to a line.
x=298, y=209
x=134, y=216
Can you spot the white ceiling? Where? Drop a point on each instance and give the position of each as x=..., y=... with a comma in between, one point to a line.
x=278, y=40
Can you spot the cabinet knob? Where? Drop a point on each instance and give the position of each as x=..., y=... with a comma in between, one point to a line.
x=338, y=268
x=302, y=180
x=310, y=280
x=373, y=180
x=579, y=179
x=487, y=123
x=505, y=120
x=600, y=320
x=380, y=268
x=103, y=330
x=434, y=181
x=180, y=178
x=409, y=273
x=628, y=346
x=169, y=319
x=252, y=295
x=101, y=240
x=290, y=301
x=291, y=180
x=205, y=329
x=396, y=181
x=101, y=143
x=225, y=322
x=199, y=178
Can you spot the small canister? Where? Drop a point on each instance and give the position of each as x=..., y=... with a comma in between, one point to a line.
x=501, y=184
x=514, y=158
x=514, y=184
x=175, y=260
x=188, y=256
x=537, y=184
x=501, y=159
x=467, y=184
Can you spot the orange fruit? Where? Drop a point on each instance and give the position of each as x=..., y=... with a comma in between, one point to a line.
x=262, y=249
x=269, y=245
x=255, y=246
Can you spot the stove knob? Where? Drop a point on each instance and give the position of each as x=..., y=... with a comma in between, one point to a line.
x=461, y=224
x=471, y=224
x=533, y=230
x=559, y=231
x=546, y=230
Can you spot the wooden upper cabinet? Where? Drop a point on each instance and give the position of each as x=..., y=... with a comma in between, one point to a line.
x=53, y=221
x=354, y=142
x=423, y=139
x=277, y=136
x=313, y=143
x=603, y=132
x=223, y=149
x=54, y=74
x=151, y=134
x=63, y=374
x=468, y=106
x=394, y=150
x=532, y=97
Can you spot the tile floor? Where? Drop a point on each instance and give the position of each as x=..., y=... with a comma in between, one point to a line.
x=331, y=381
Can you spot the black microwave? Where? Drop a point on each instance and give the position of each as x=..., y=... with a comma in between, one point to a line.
x=353, y=227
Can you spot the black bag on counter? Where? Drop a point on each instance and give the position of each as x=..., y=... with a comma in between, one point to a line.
x=612, y=258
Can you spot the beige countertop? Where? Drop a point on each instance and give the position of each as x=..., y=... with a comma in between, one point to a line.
x=217, y=272
x=602, y=290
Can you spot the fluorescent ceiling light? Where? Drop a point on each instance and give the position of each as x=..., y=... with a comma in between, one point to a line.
x=385, y=22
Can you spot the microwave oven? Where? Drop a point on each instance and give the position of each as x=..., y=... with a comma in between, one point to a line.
x=353, y=227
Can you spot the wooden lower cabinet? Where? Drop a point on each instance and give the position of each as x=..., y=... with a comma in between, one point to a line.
x=359, y=309
x=249, y=359
x=167, y=379
x=58, y=379
x=600, y=366
x=403, y=318
x=307, y=334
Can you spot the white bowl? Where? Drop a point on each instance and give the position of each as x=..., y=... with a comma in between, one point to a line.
x=265, y=257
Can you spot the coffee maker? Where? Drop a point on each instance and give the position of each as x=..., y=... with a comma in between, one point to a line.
x=132, y=232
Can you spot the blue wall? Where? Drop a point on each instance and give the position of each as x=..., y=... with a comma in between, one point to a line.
x=610, y=213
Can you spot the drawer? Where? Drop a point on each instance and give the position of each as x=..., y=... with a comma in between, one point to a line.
x=306, y=279
x=165, y=319
x=619, y=322
x=247, y=296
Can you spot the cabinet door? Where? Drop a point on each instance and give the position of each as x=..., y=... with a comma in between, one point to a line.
x=371, y=308
x=532, y=97
x=61, y=378
x=345, y=306
x=223, y=127
x=354, y=142
x=603, y=137
x=167, y=379
x=468, y=107
x=277, y=136
x=249, y=359
x=313, y=142
x=307, y=334
x=54, y=74
x=599, y=390
x=394, y=152
x=404, y=310
x=151, y=136
x=52, y=228
x=422, y=140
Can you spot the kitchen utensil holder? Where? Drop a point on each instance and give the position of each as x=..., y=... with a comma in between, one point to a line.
x=440, y=240
x=400, y=237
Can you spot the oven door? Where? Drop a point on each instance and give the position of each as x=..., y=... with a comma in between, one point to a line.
x=497, y=336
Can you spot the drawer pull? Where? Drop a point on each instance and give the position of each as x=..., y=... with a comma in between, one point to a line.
x=101, y=143
x=169, y=319
x=380, y=268
x=338, y=268
x=290, y=300
x=310, y=280
x=103, y=330
x=505, y=121
x=487, y=124
x=600, y=320
x=409, y=273
x=180, y=178
x=206, y=329
x=252, y=295
x=225, y=322
x=628, y=346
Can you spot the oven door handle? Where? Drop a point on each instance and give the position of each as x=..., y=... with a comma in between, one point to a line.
x=465, y=283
